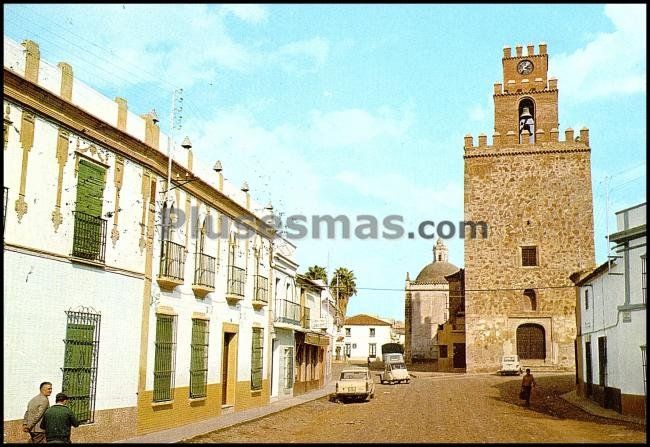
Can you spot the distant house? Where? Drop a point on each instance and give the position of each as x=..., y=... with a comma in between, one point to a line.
x=611, y=321
x=364, y=336
x=451, y=334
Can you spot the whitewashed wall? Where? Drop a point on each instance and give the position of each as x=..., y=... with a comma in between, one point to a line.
x=360, y=334
x=603, y=319
x=37, y=292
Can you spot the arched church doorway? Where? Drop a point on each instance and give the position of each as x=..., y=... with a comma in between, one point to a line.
x=531, y=341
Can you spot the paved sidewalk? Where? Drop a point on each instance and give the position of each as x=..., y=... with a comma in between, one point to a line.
x=592, y=407
x=184, y=432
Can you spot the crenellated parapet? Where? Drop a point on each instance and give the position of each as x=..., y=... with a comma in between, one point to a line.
x=524, y=73
x=541, y=142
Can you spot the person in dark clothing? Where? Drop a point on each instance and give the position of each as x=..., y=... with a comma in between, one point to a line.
x=527, y=384
x=58, y=420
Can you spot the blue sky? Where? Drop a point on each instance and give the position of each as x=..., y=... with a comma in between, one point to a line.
x=359, y=109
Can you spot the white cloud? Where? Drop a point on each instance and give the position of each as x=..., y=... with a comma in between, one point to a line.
x=447, y=201
x=355, y=126
x=612, y=63
x=305, y=56
x=251, y=13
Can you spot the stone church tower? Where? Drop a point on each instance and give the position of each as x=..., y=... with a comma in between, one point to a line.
x=534, y=193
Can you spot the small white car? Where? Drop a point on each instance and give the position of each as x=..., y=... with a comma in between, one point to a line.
x=395, y=372
x=510, y=365
x=355, y=383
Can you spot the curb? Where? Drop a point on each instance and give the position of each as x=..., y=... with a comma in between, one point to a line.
x=595, y=409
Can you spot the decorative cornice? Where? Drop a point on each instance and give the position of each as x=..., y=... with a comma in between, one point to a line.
x=533, y=152
x=527, y=92
x=35, y=98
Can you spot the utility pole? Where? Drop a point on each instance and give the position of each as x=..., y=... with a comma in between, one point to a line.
x=174, y=121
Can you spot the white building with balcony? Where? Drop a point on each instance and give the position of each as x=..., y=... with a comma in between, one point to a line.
x=286, y=316
x=149, y=322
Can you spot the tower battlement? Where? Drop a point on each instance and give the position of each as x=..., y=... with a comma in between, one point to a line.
x=502, y=143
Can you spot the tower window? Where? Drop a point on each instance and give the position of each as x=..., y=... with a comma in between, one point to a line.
x=528, y=256
x=532, y=298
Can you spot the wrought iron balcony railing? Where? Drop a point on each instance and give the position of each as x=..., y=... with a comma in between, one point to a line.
x=287, y=312
x=89, y=240
x=172, y=260
x=236, y=281
x=204, y=271
x=261, y=289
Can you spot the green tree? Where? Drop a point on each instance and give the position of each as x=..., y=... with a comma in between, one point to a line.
x=317, y=272
x=344, y=286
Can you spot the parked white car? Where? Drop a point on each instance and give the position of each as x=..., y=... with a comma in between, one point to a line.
x=510, y=365
x=355, y=383
x=395, y=372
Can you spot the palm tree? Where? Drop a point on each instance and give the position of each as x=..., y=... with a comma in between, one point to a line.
x=317, y=272
x=344, y=286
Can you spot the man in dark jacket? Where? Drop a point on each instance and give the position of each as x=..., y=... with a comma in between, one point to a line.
x=58, y=420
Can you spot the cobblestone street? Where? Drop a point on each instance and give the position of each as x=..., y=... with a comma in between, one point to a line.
x=450, y=408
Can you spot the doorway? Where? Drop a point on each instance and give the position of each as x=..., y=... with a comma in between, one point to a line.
x=459, y=355
x=226, y=364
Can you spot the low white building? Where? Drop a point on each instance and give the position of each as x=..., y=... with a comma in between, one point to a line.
x=364, y=337
x=611, y=321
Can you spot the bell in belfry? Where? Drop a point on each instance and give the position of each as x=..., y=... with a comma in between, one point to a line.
x=526, y=122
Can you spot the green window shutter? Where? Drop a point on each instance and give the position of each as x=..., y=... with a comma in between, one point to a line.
x=77, y=368
x=90, y=188
x=199, y=359
x=256, y=359
x=164, y=358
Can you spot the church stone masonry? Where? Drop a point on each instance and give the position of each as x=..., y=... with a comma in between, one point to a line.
x=534, y=192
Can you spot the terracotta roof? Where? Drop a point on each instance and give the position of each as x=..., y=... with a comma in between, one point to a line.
x=365, y=320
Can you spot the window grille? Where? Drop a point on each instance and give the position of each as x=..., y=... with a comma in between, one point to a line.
x=256, y=359
x=80, y=362
x=372, y=349
x=372, y=332
x=199, y=358
x=165, y=357
x=528, y=256
x=89, y=240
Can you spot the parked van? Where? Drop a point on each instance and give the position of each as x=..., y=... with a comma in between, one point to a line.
x=393, y=357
